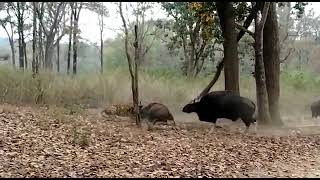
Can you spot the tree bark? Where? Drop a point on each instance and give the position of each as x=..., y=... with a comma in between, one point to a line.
x=136, y=87
x=58, y=54
x=20, y=26
x=76, y=14
x=271, y=61
x=227, y=21
x=24, y=46
x=34, y=41
x=70, y=40
x=75, y=27
x=101, y=43
x=262, y=95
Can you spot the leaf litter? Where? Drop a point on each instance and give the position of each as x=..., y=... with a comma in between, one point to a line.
x=37, y=142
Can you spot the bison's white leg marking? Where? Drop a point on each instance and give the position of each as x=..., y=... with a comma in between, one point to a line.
x=255, y=126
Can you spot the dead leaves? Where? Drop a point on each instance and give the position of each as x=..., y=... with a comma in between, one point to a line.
x=35, y=143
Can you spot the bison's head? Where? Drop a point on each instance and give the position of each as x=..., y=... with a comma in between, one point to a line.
x=191, y=107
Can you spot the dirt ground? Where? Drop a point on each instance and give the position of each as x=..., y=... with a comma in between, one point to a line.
x=50, y=142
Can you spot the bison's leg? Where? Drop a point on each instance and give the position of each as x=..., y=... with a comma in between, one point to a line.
x=150, y=123
x=213, y=127
x=247, y=127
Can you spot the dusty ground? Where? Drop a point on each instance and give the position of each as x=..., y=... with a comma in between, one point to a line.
x=40, y=142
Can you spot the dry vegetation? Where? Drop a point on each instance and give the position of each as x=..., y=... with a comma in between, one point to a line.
x=63, y=139
x=49, y=142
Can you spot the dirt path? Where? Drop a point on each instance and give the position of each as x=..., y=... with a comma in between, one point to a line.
x=52, y=143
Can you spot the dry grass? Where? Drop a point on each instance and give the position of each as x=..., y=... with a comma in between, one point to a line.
x=96, y=90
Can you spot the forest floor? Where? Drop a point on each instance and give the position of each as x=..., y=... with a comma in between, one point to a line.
x=49, y=142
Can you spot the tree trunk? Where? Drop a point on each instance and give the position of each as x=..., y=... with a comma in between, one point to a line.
x=134, y=75
x=21, y=59
x=40, y=57
x=58, y=56
x=135, y=80
x=13, y=54
x=271, y=61
x=220, y=65
x=262, y=96
x=230, y=45
x=34, y=41
x=24, y=50
x=49, y=52
x=101, y=44
x=75, y=28
x=70, y=40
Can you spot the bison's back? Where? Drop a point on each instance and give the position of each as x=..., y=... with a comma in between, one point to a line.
x=157, y=111
x=228, y=105
x=315, y=108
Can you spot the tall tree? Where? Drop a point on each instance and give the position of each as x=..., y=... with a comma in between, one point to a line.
x=102, y=12
x=49, y=25
x=133, y=65
x=271, y=52
x=226, y=14
x=262, y=95
x=194, y=33
x=34, y=40
x=19, y=9
x=70, y=29
x=76, y=14
x=4, y=22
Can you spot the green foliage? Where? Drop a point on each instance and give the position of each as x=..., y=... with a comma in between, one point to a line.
x=299, y=7
x=191, y=30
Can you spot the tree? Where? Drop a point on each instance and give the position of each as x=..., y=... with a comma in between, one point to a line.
x=226, y=14
x=19, y=9
x=194, y=32
x=34, y=42
x=271, y=61
x=133, y=65
x=262, y=96
x=50, y=25
x=102, y=12
x=70, y=29
x=208, y=8
x=9, y=20
x=76, y=8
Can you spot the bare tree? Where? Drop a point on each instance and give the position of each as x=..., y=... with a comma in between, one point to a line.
x=19, y=10
x=49, y=27
x=9, y=20
x=70, y=39
x=133, y=65
x=76, y=14
x=102, y=12
x=34, y=40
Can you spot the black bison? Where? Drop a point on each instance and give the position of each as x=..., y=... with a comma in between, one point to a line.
x=223, y=104
x=156, y=112
x=315, y=109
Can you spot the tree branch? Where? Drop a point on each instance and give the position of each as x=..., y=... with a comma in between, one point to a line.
x=264, y=15
x=126, y=40
x=243, y=29
x=249, y=19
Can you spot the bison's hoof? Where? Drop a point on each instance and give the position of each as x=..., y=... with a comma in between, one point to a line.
x=217, y=127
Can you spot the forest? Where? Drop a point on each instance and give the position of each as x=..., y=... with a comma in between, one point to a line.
x=239, y=80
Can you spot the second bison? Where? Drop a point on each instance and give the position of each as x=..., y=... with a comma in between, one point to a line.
x=315, y=109
x=156, y=112
x=223, y=104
